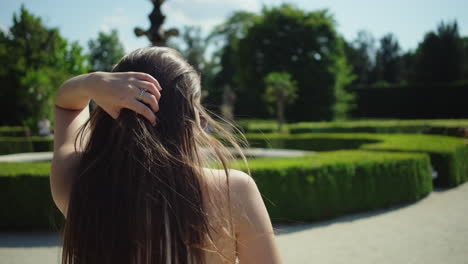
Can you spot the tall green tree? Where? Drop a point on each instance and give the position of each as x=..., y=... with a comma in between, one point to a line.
x=465, y=58
x=305, y=44
x=195, y=47
x=224, y=86
x=36, y=60
x=440, y=55
x=360, y=54
x=280, y=90
x=105, y=51
x=388, y=60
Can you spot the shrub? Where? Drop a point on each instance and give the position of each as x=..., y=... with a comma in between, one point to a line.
x=441, y=127
x=315, y=142
x=257, y=126
x=305, y=188
x=449, y=156
x=42, y=144
x=25, y=196
x=10, y=145
x=335, y=183
x=12, y=131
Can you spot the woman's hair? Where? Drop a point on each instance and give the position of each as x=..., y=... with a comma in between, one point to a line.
x=139, y=193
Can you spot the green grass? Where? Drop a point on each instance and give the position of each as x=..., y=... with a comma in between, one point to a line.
x=14, y=169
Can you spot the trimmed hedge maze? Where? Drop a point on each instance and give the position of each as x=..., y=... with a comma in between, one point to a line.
x=11, y=145
x=449, y=155
x=296, y=189
x=351, y=173
x=26, y=198
x=340, y=182
x=453, y=127
x=432, y=126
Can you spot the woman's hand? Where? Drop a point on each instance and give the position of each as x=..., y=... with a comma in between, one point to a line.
x=114, y=91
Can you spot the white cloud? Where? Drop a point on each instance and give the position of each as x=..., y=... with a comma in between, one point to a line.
x=117, y=19
x=119, y=10
x=248, y=5
x=3, y=28
x=204, y=13
x=178, y=17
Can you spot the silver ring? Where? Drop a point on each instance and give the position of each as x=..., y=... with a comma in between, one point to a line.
x=142, y=93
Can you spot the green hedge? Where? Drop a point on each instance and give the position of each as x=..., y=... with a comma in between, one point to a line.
x=26, y=201
x=10, y=145
x=315, y=142
x=257, y=125
x=449, y=156
x=434, y=126
x=336, y=183
x=12, y=131
x=42, y=144
x=305, y=188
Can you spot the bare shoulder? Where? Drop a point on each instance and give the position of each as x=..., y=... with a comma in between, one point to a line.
x=254, y=232
x=239, y=181
x=240, y=186
x=245, y=198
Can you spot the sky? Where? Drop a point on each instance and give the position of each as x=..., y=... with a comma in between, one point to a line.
x=81, y=20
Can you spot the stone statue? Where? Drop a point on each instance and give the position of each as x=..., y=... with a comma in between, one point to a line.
x=156, y=33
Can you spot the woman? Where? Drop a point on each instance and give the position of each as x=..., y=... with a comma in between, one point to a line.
x=133, y=179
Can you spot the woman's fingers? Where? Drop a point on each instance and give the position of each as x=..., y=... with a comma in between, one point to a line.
x=147, y=77
x=150, y=88
x=143, y=110
x=151, y=100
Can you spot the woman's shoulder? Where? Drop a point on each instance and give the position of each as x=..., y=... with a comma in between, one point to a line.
x=237, y=180
x=241, y=187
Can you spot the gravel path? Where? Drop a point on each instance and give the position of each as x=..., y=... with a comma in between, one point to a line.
x=431, y=231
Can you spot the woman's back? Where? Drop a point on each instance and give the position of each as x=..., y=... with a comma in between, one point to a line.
x=131, y=185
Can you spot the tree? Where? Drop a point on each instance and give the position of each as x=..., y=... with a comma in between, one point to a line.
x=465, y=60
x=440, y=55
x=224, y=64
x=280, y=90
x=36, y=60
x=105, y=51
x=408, y=66
x=360, y=54
x=388, y=60
x=305, y=44
x=195, y=47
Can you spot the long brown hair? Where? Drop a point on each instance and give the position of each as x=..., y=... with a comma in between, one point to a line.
x=138, y=196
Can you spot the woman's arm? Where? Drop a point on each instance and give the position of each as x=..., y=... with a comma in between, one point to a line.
x=112, y=92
